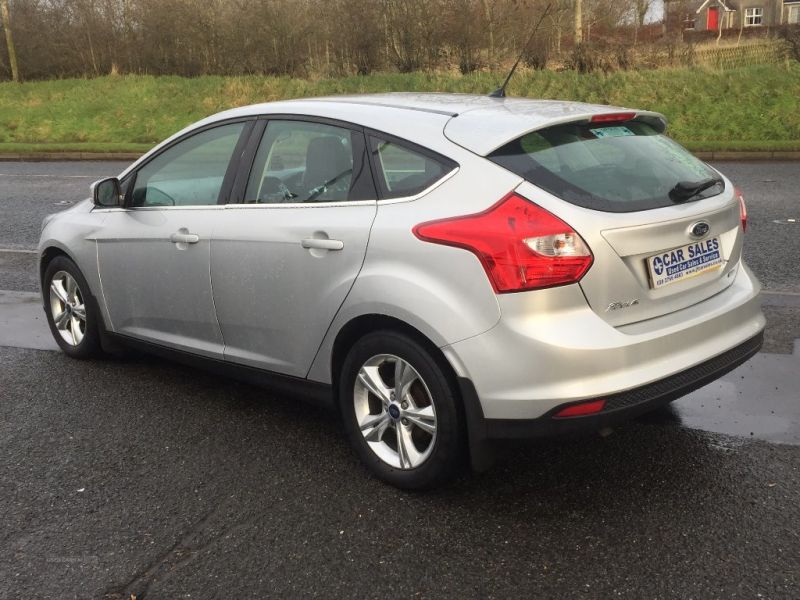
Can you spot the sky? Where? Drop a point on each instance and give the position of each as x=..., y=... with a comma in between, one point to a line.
x=656, y=12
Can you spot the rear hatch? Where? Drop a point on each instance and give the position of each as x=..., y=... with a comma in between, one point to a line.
x=664, y=228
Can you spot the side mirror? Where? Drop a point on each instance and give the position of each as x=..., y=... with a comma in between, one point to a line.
x=107, y=193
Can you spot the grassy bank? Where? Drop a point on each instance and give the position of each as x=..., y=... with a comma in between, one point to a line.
x=752, y=108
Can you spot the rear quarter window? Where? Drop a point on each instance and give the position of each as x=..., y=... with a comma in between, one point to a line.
x=403, y=170
x=613, y=167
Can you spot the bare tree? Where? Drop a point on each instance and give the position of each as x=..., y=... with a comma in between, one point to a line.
x=640, y=10
x=413, y=36
x=604, y=13
x=466, y=22
x=12, y=52
x=489, y=15
x=79, y=38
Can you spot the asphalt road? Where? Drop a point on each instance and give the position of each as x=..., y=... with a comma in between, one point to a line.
x=136, y=476
x=29, y=191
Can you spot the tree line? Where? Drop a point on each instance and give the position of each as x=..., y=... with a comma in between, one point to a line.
x=67, y=38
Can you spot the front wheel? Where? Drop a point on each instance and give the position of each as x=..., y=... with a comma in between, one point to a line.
x=401, y=412
x=70, y=313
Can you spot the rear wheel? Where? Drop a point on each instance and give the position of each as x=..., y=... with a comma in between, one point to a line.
x=70, y=313
x=400, y=411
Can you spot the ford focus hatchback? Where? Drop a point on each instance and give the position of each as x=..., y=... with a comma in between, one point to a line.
x=444, y=269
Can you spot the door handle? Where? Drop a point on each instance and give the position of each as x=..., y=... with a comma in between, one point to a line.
x=322, y=244
x=181, y=237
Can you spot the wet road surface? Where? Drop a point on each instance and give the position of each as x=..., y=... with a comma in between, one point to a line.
x=760, y=400
x=134, y=476
x=138, y=476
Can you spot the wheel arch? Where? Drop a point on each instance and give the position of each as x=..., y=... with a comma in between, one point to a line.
x=480, y=452
x=362, y=325
x=46, y=256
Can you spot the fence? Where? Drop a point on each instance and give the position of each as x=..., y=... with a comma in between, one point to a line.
x=731, y=57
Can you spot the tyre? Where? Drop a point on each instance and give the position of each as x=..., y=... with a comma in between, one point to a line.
x=71, y=314
x=401, y=412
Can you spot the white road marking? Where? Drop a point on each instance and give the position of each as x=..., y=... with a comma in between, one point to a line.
x=18, y=251
x=779, y=293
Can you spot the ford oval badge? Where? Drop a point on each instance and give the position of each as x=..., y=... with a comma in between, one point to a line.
x=700, y=229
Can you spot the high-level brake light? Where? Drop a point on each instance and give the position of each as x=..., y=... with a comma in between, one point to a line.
x=613, y=117
x=520, y=245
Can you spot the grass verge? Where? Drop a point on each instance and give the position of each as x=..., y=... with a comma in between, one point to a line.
x=93, y=147
x=750, y=108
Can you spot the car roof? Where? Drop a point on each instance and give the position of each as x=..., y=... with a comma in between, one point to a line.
x=478, y=123
x=446, y=104
x=481, y=124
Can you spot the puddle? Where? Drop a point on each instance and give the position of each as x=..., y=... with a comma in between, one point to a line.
x=23, y=323
x=759, y=400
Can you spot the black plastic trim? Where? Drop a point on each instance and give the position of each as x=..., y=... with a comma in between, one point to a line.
x=234, y=165
x=629, y=404
x=481, y=451
x=320, y=394
x=246, y=163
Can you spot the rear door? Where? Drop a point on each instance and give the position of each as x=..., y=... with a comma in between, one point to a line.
x=626, y=190
x=287, y=249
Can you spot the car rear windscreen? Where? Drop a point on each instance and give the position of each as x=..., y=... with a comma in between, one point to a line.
x=612, y=167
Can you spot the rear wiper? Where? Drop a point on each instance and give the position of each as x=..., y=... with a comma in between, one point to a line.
x=684, y=190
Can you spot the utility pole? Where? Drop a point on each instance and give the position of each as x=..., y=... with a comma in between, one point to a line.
x=12, y=53
x=578, y=21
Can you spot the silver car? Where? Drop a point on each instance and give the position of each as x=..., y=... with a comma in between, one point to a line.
x=444, y=269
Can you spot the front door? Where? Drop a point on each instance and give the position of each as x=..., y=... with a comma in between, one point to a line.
x=284, y=258
x=153, y=255
x=713, y=19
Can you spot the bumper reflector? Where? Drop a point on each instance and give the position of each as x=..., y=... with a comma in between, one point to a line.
x=581, y=409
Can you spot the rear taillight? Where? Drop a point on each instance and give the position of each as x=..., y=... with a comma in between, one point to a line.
x=742, y=208
x=520, y=245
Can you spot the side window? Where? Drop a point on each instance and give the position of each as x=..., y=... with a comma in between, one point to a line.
x=189, y=173
x=299, y=161
x=406, y=172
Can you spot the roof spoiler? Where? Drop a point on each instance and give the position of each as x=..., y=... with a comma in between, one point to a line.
x=484, y=130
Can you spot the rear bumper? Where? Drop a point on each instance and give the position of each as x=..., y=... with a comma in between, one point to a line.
x=629, y=404
x=550, y=349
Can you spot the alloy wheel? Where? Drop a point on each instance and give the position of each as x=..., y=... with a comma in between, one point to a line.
x=395, y=411
x=67, y=308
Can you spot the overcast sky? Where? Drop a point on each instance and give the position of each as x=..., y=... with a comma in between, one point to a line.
x=656, y=12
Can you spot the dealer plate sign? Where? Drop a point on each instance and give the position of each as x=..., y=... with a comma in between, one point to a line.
x=680, y=264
